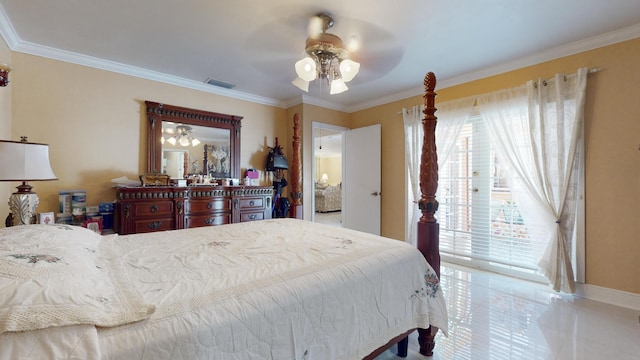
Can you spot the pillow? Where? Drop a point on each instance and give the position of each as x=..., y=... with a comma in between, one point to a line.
x=53, y=275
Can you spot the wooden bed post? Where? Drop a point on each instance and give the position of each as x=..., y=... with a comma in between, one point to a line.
x=296, y=172
x=428, y=227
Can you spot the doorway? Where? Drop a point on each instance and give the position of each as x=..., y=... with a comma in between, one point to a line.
x=327, y=173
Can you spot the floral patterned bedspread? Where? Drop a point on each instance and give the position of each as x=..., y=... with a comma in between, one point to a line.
x=273, y=289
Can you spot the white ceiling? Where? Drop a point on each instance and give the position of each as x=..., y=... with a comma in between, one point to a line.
x=254, y=44
x=327, y=143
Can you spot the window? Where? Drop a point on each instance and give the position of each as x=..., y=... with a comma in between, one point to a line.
x=480, y=222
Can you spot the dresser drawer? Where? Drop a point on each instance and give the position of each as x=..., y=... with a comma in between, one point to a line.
x=208, y=205
x=151, y=208
x=251, y=203
x=251, y=216
x=192, y=221
x=150, y=225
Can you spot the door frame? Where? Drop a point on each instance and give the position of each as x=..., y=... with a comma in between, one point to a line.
x=316, y=126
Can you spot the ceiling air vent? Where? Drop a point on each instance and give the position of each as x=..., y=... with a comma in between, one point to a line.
x=219, y=83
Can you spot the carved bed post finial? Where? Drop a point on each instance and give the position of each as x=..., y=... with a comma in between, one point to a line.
x=429, y=159
x=296, y=171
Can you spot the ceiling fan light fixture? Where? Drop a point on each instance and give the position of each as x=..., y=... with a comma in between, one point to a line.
x=338, y=86
x=301, y=84
x=327, y=58
x=184, y=141
x=349, y=69
x=183, y=136
x=306, y=69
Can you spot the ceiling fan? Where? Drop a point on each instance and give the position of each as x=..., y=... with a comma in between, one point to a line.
x=327, y=58
x=182, y=135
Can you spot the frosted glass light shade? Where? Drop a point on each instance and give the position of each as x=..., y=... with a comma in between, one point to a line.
x=306, y=69
x=24, y=161
x=184, y=141
x=195, y=142
x=301, y=84
x=338, y=86
x=349, y=69
x=171, y=140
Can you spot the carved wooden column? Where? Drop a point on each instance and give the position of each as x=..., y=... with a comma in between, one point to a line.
x=296, y=172
x=428, y=227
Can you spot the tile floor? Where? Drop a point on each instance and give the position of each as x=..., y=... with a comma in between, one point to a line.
x=494, y=317
x=332, y=218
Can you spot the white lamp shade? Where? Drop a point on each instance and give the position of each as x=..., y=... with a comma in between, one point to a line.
x=301, y=84
x=195, y=142
x=306, y=69
x=184, y=141
x=338, y=86
x=171, y=140
x=349, y=69
x=24, y=161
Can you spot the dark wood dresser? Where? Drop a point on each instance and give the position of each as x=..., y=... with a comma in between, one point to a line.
x=158, y=208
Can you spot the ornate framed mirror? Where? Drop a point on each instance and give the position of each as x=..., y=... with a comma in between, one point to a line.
x=183, y=141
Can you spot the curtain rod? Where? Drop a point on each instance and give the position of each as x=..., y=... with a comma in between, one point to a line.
x=590, y=71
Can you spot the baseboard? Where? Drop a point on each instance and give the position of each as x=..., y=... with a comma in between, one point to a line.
x=608, y=296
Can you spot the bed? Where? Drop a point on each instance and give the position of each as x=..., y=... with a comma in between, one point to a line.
x=272, y=289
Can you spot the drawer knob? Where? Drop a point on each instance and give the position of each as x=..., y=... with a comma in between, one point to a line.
x=210, y=205
x=210, y=221
x=251, y=203
x=154, y=208
x=154, y=225
x=252, y=216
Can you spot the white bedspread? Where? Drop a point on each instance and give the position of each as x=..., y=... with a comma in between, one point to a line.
x=273, y=289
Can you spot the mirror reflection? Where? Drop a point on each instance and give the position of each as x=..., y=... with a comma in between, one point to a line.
x=194, y=150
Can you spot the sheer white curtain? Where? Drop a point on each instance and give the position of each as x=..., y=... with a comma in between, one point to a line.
x=452, y=115
x=535, y=130
x=412, y=119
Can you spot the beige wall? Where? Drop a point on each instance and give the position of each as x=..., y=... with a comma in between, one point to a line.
x=5, y=128
x=332, y=166
x=94, y=122
x=612, y=126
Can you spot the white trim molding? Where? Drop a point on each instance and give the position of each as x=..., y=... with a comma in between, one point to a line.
x=608, y=296
x=16, y=44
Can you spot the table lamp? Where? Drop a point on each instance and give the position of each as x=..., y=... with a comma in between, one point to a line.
x=24, y=161
x=324, y=179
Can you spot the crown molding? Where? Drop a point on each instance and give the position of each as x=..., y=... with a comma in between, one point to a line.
x=576, y=47
x=16, y=44
x=7, y=31
x=112, y=66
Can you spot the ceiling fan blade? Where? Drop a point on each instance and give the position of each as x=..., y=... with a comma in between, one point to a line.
x=315, y=27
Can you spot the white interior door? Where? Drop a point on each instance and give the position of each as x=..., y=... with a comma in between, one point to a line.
x=361, y=180
x=173, y=163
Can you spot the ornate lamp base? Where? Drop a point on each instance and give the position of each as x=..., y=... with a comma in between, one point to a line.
x=23, y=206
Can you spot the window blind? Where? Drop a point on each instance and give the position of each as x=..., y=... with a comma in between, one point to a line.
x=480, y=222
